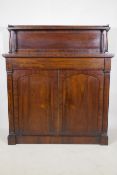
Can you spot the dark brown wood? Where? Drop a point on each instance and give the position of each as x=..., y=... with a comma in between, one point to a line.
x=58, y=84
x=61, y=54
x=57, y=63
x=81, y=102
x=59, y=39
x=57, y=27
x=35, y=96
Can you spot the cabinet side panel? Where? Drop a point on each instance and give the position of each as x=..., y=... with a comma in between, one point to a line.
x=10, y=103
x=106, y=95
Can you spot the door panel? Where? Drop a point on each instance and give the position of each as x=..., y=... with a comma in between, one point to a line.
x=81, y=102
x=63, y=102
x=35, y=94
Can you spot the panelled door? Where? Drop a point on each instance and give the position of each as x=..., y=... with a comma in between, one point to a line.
x=80, y=102
x=35, y=101
x=58, y=102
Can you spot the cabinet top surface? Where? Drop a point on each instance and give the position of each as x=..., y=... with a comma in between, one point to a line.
x=61, y=55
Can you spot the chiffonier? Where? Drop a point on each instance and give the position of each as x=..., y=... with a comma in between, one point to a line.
x=58, y=84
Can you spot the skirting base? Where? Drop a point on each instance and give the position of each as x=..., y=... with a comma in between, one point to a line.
x=15, y=139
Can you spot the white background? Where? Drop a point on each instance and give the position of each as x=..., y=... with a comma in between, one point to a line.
x=58, y=159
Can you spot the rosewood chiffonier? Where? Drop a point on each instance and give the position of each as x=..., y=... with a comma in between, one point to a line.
x=58, y=84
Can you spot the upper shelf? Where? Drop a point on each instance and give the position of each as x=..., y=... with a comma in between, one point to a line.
x=58, y=41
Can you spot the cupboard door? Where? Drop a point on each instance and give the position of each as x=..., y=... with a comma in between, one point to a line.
x=35, y=103
x=80, y=102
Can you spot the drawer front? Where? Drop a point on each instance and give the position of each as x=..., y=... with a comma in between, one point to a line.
x=56, y=63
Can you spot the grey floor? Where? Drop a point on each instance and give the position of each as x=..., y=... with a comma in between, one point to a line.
x=58, y=159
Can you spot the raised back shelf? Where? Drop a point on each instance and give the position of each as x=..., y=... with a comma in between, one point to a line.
x=58, y=39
